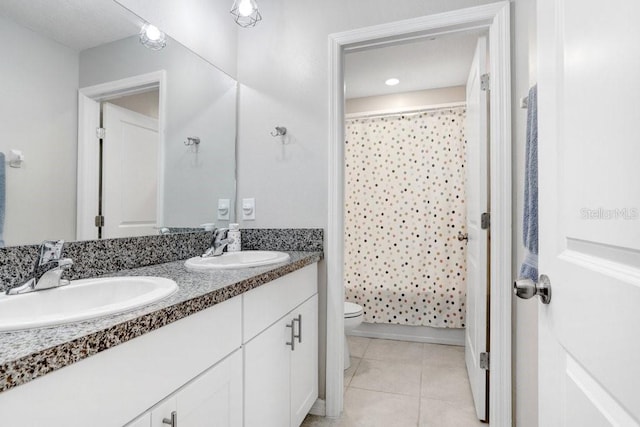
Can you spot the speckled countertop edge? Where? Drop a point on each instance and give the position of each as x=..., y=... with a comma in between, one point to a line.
x=29, y=354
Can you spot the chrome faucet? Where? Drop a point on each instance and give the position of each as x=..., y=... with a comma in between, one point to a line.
x=48, y=269
x=220, y=241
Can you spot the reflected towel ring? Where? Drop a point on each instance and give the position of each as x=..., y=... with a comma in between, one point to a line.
x=280, y=131
x=192, y=140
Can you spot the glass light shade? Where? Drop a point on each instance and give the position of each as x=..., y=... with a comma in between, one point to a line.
x=246, y=13
x=152, y=37
x=392, y=82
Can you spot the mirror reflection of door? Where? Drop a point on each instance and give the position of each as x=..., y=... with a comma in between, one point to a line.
x=129, y=166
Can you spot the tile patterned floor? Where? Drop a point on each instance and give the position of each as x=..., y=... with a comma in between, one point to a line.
x=398, y=384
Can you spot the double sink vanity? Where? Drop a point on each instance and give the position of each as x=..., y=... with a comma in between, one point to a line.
x=137, y=337
x=229, y=340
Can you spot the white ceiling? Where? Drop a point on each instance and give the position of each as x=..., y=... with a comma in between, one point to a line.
x=78, y=24
x=419, y=65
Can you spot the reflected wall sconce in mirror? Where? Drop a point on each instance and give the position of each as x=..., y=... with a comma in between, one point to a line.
x=152, y=38
x=246, y=13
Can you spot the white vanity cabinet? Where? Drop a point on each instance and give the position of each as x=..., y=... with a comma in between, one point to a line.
x=116, y=386
x=212, y=399
x=281, y=350
x=228, y=366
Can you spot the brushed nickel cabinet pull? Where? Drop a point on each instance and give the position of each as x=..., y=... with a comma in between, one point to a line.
x=173, y=422
x=299, y=320
x=292, y=343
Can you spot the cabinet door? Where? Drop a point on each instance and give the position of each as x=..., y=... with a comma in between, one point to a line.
x=213, y=399
x=266, y=363
x=304, y=361
x=142, y=421
x=163, y=410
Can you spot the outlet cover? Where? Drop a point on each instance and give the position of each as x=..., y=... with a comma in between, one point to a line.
x=249, y=209
x=224, y=209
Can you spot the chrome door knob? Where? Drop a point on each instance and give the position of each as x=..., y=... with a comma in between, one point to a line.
x=527, y=288
x=463, y=236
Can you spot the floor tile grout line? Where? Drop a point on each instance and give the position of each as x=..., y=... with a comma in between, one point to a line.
x=366, y=347
x=385, y=392
x=355, y=370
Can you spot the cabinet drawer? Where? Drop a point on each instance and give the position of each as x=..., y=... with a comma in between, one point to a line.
x=264, y=305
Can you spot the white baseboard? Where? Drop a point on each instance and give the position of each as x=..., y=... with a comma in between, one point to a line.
x=448, y=336
x=319, y=408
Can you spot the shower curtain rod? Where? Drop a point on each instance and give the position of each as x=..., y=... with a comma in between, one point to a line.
x=400, y=111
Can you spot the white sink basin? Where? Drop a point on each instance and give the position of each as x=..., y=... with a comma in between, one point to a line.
x=81, y=300
x=229, y=260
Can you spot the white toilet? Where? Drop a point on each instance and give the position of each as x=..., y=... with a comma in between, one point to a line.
x=352, y=318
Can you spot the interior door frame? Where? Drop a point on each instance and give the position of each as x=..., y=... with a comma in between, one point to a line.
x=495, y=18
x=88, y=176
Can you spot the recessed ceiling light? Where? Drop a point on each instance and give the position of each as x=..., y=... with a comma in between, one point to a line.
x=392, y=82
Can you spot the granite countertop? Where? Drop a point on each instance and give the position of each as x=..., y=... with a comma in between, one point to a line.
x=29, y=354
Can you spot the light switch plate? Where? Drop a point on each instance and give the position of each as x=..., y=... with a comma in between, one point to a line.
x=224, y=208
x=249, y=209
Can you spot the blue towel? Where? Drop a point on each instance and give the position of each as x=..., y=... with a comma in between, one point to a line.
x=529, y=268
x=2, y=198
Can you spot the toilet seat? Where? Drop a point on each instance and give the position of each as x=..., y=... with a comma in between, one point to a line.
x=352, y=310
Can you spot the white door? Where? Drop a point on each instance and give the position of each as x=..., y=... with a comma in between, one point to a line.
x=129, y=173
x=589, y=199
x=477, y=202
x=304, y=361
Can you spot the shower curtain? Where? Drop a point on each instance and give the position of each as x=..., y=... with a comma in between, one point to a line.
x=404, y=207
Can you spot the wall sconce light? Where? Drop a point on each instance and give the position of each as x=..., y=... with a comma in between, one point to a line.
x=152, y=38
x=246, y=13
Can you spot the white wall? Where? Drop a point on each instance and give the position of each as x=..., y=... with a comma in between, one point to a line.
x=397, y=101
x=201, y=101
x=283, y=69
x=38, y=111
x=203, y=25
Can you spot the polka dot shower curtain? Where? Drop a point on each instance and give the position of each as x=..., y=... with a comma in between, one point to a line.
x=404, y=207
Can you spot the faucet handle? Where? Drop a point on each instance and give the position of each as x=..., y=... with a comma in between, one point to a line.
x=50, y=250
x=219, y=234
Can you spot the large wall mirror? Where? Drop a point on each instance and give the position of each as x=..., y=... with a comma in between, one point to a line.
x=166, y=158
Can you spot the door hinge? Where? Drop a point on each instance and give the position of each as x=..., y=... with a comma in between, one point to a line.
x=484, y=82
x=485, y=220
x=484, y=360
x=99, y=220
x=100, y=132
